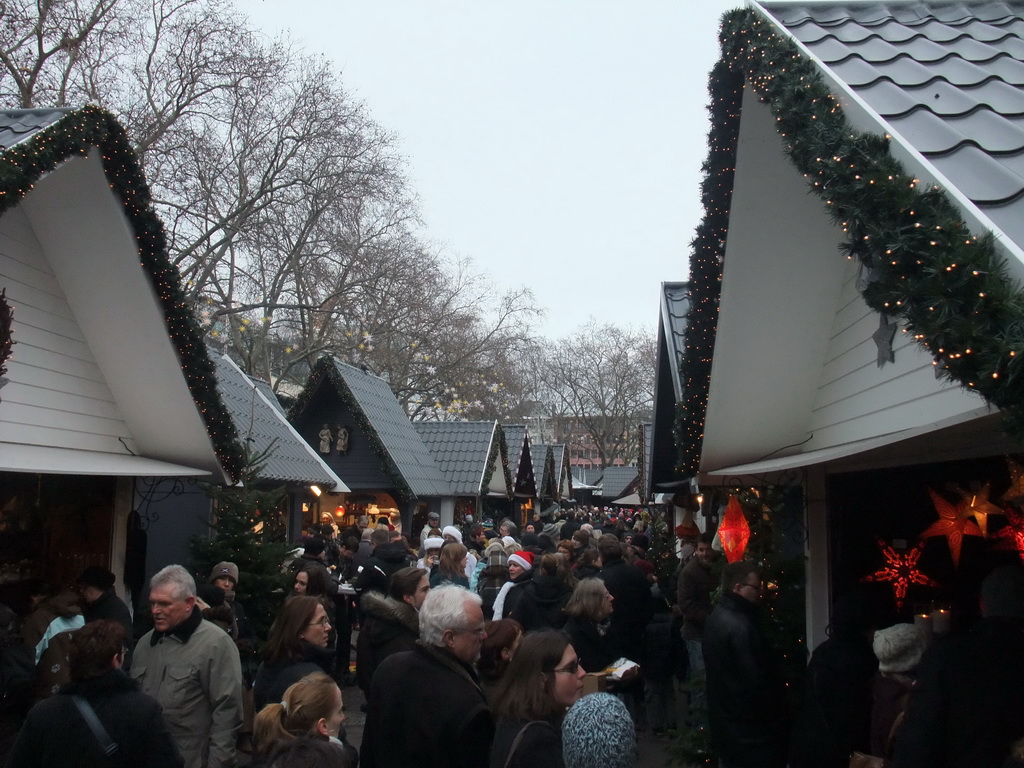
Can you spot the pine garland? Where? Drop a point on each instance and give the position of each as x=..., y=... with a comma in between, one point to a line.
x=76, y=134
x=950, y=287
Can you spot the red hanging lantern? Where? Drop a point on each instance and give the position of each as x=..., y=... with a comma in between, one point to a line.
x=734, y=532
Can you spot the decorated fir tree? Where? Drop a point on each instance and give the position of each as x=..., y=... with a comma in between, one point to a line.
x=247, y=530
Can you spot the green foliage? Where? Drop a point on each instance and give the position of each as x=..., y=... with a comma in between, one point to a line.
x=239, y=511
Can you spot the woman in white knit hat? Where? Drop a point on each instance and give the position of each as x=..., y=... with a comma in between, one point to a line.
x=899, y=649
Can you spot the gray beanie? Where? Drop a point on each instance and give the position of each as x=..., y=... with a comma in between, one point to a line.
x=598, y=730
x=899, y=648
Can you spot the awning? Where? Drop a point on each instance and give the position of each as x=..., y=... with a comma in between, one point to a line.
x=632, y=500
x=67, y=461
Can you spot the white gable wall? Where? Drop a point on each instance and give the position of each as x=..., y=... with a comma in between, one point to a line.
x=795, y=363
x=91, y=338
x=56, y=394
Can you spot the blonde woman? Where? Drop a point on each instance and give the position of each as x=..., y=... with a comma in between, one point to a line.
x=451, y=566
x=311, y=708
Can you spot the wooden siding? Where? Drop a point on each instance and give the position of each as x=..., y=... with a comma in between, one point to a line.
x=56, y=394
x=856, y=399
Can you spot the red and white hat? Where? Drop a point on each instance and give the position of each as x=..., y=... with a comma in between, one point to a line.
x=523, y=559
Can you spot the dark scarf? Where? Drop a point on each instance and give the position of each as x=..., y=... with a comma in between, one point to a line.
x=183, y=631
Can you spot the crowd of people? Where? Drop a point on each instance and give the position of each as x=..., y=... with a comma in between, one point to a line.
x=473, y=647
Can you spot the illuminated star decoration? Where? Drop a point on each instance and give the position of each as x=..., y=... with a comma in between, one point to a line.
x=734, y=531
x=978, y=505
x=1011, y=536
x=901, y=571
x=952, y=523
x=1015, y=493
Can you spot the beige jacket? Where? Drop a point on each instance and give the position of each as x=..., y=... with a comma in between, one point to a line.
x=197, y=678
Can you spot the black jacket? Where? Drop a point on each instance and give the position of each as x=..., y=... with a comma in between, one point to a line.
x=693, y=595
x=383, y=563
x=55, y=734
x=426, y=709
x=541, y=602
x=539, y=747
x=836, y=715
x=272, y=680
x=968, y=704
x=746, y=697
x=632, y=609
x=389, y=626
x=594, y=652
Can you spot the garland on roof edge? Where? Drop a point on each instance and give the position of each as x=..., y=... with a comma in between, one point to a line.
x=950, y=287
x=498, y=448
x=76, y=134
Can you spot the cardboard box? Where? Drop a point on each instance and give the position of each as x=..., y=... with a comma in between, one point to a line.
x=595, y=682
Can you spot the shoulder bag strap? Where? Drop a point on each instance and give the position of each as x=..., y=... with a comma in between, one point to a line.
x=89, y=715
x=515, y=742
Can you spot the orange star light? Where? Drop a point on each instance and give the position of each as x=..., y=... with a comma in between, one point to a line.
x=954, y=523
x=978, y=505
x=901, y=571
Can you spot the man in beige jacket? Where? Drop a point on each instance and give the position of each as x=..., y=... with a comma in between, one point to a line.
x=192, y=668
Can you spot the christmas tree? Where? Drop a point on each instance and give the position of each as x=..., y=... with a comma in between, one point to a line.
x=248, y=530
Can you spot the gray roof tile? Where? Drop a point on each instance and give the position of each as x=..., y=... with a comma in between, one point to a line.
x=948, y=79
x=17, y=125
x=402, y=442
x=264, y=427
x=461, y=449
x=615, y=480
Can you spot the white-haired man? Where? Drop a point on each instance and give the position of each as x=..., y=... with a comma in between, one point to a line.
x=192, y=668
x=426, y=707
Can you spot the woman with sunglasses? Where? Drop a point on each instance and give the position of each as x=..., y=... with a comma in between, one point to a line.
x=297, y=646
x=543, y=680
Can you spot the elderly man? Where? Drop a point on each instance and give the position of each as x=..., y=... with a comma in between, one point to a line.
x=192, y=668
x=426, y=706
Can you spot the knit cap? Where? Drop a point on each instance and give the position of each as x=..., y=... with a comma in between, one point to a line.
x=225, y=569
x=598, y=731
x=97, y=576
x=507, y=541
x=523, y=559
x=899, y=648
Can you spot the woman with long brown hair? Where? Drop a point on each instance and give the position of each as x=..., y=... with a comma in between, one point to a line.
x=496, y=652
x=297, y=646
x=309, y=708
x=543, y=680
x=451, y=566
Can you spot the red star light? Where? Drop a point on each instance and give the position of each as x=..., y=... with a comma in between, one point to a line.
x=1011, y=536
x=954, y=523
x=901, y=571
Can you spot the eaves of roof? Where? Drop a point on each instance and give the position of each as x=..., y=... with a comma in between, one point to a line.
x=462, y=450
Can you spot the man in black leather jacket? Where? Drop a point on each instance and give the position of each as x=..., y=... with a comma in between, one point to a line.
x=746, y=698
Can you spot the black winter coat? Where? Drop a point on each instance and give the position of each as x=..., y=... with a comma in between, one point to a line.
x=383, y=563
x=389, y=626
x=541, y=602
x=55, y=734
x=633, y=608
x=746, y=697
x=426, y=709
x=836, y=715
x=272, y=680
x=968, y=704
x=594, y=651
x=539, y=747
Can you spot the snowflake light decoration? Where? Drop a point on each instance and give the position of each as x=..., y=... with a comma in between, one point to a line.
x=900, y=570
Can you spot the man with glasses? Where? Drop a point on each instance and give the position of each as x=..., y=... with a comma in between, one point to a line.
x=426, y=707
x=746, y=698
x=192, y=668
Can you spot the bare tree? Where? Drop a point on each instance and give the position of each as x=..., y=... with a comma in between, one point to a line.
x=599, y=385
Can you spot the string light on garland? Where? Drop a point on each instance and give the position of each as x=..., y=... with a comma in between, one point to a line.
x=900, y=571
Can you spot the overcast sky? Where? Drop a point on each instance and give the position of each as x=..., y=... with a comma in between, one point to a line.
x=557, y=144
